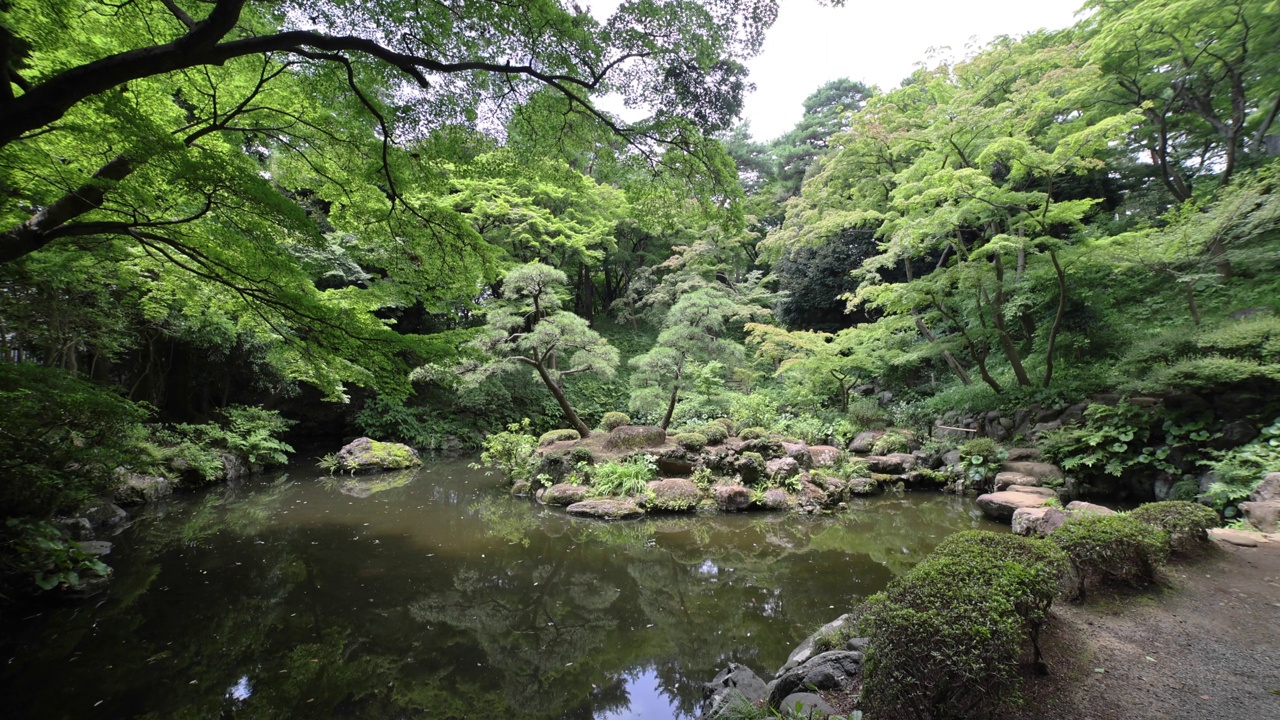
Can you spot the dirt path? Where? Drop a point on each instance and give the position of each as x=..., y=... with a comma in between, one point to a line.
x=1207, y=646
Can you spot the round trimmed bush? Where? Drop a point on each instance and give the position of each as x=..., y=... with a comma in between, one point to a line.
x=753, y=433
x=691, y=441
x=715, y=433
x=727, y=424
x=556, y=436
x=1187, y=523
x=612, y=420
x=1111, y=549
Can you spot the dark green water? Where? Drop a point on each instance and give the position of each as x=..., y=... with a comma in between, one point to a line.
x=433, y=595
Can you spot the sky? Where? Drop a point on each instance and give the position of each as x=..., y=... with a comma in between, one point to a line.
x=879, y=42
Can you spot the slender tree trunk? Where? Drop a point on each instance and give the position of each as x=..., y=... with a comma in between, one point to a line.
x=1190, y=289
x=946, y=354
x=1057, y=317
x=569, y=413
x=1006, y=341
x=671, y=406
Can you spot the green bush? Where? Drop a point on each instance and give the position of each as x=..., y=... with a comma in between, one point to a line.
x=726, y=423
x=628, y=477
x=893, y=441
x=556, y=436
x=866, y=414
x=945, y=639
x=753, y=433
x=612, y=420
x=512, y=452
x=691, y=441
x=1187, y=523
x=1111, y=549
x=715, y=433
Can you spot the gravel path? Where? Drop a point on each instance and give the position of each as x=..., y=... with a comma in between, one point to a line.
x=1207, y=646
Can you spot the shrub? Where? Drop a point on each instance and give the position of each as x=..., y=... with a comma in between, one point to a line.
x=612, y=420
x=511, y=452
x=691, y=441
x=726, y=423
x=946, y=638
x=893, y=441
x=715, y=433
x=866, y=414
x=1187, y=523
x=753, y=433
x=556, y=436
x=982, y=460
x=1110, y=549
x=626, y=477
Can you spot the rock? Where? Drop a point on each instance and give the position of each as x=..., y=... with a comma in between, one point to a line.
x=103, y=514
x=864, y=441
x=831, y=670
x=1234, y=434
x=1234, y=537
x=521, y=488
x=798, y=452
x=136, y=489
x=735, y=681
x=606, y=509
x=783, y=467
x=732, y=498
x=97, y=548
x=1144, y=402
x=891, y=464
x=805, y=649
x=952, y=458
x=562, y=494
x=823, y=456
x=1023, y=454
x=365, y=455
x=1040, y=470
x=1037, y=521
x=1251, y=312
x=234, y=467
x=75, y=528
x=673, y=464
x=862, y=486
x=632, y=437
x=1264, y=516
x=1001, y=505
x=774, y=499
x=1269, y=490
x=1080, y=506
x=674, y=495
x=813, y=495
x=806, y=705
x=1008, y=479
x=885, y=397
x=1040, y=428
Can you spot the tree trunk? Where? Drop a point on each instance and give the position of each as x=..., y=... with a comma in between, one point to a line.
x=1190, y=288
x=1057, y=317
x=946, y=354
x=671, y=406
x=569, y=413
x=1006, y=341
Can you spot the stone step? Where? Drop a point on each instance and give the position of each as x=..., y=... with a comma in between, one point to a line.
x=1043, y=471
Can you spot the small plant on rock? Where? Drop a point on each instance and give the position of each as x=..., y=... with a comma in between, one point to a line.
x=893, y=441
x=513, y=452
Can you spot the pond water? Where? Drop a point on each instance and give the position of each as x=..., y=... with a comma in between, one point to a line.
x=432, y=594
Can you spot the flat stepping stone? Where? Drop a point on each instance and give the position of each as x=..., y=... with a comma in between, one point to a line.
x=1008, y=479
x=1234, y=537
x=1001, y=505
x=1042, y=470
x=606, y=509
x=1081, y=506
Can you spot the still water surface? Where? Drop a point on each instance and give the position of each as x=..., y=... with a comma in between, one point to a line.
x=431, y=594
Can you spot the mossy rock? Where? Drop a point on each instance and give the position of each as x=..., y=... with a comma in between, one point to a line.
x=556, y=436
x=366, y=455
x=673, y=495
x=693, y=442
x=633, y=437
x=753, y=433
x=715, y=433
x=613, y=420
x=751, y=467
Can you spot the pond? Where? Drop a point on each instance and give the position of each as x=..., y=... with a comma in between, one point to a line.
x=433, y=594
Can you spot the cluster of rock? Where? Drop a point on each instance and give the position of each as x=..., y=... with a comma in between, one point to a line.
x=808, y=670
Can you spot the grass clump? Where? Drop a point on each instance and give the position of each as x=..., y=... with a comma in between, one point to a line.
x=556, y=436
x=753, y=433
x=629, y=477
x=945, y=639
x=1111, y=549
x=611, y=420
x=1186, y=523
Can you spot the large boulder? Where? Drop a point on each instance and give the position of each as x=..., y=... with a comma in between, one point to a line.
x=1023, y=454
x=677, y=462
x=774, y=499
x=1037, y=521
x=234, y=467
x=673, y=495
x=634, y=437
x=1008, y=479
x=732, y=498
x=798, y=452
x=1080, y=506
x=780, y=468
x=863, y=442
x=821, y=456
x=1269, y=490
x=891, y=464
x=1001, y=505
x=806, y=648
x=103, y=515
x=366, y=455
x=806, y=705
x=734, y=683
x=832, y=670
x=1264, y=516
x=607, y=509
x=135, y=489
x=1043, y=471
x=562, y=494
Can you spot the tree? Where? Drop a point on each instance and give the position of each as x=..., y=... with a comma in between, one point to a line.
x=693, y=333
x=526, y=327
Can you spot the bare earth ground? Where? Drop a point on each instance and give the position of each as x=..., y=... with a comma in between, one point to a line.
x=1207, y=645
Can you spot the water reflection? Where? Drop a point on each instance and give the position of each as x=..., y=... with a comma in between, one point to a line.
x=434, y=595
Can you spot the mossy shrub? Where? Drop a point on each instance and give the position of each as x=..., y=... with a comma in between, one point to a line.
x=1187, y=523
x=727, y=424
x=945, y=640
x=753, y=433
x=1111, y=549
x=582, y=454
x=615, y=419
x=691, y=441
x=983, y=447
x=556, y=436
x=715, y=433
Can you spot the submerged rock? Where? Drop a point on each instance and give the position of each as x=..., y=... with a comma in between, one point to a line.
x=365, y=455
x=607, y=508
x=562, y=494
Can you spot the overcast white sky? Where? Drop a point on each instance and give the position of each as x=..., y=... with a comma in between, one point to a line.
x=876, y=41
